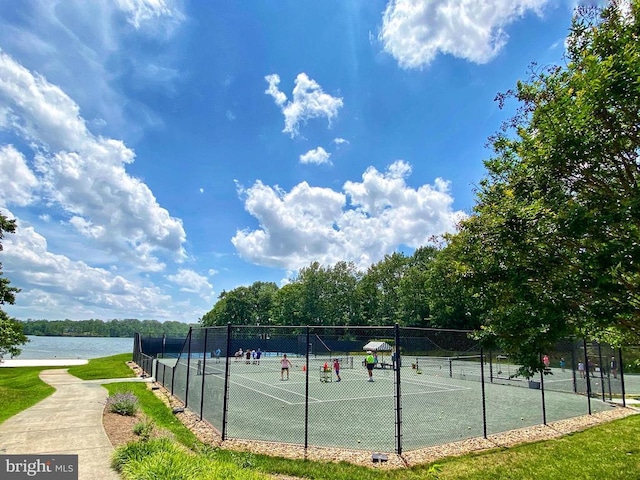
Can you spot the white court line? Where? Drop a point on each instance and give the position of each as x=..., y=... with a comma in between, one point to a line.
x=348, y=399
x=428, y=383
x=265, y=394
x=559, y=380
x=272, y=386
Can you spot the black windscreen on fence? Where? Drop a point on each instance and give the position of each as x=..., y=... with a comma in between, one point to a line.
x=374, y=388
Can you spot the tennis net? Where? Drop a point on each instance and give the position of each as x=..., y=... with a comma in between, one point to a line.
x=454, y=367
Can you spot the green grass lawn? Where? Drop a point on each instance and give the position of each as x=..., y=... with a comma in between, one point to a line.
x=609, y=451
x=106, y=367
x=20, y=388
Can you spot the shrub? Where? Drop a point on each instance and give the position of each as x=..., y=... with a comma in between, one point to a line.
x=144, y=429
x=123, y=403
x=182, y=465
x=136, y=451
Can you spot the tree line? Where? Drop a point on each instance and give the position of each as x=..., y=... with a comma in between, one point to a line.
x=404, y=289
x=110, y=328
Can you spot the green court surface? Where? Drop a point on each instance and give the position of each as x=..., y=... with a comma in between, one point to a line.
x=437, y=405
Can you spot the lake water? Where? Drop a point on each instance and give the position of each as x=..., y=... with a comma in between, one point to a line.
x=74, y=347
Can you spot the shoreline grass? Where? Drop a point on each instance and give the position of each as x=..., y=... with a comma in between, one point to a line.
x=114, y=366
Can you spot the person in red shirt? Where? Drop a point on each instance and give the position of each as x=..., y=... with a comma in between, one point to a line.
x=336, y=368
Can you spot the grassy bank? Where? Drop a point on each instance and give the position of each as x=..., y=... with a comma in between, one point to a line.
x=20, y=388
x=114, y=366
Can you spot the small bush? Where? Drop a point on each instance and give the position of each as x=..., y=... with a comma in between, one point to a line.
x=136, y=451
x=144, y=429
x=123, y=403
x=177, y=464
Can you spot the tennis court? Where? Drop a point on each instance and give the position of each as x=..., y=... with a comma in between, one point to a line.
x=438, y=404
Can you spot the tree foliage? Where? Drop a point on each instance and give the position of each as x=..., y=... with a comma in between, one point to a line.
x=110, y=328
x=553, y=246
x=396, y=289
x=11, y=335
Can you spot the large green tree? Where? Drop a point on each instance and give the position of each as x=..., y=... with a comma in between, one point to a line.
x=243, y=306
x=11, y=334
x=553, y=246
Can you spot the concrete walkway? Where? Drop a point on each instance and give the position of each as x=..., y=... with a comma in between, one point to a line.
x=67, y=422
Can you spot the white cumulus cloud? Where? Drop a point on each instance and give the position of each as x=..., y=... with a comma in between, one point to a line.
x=414, y=32
x=18, y=181
x=192, y=282
x=362, y=223
x=59, y=284
x=309, y=101
x=316, y=156
x=83, y=174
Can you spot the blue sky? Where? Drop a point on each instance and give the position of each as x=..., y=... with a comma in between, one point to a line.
x=158, y=152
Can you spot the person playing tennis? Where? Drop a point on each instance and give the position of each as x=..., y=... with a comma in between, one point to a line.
x=370, y=362
x=285, y=364
x=336, y=367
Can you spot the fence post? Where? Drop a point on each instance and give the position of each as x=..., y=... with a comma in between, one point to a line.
x=135, y=348
x=484, y=403
x=204, y=369
x=573, y=366
x=396, y=363
x=601, y=366
x=306, y=396
x=544, y=407
x=225, y=400
x=586, y=369
x=621, y=370
x=173, y=377
x=186, y=387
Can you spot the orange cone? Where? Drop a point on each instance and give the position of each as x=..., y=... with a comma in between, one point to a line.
x=304, y=368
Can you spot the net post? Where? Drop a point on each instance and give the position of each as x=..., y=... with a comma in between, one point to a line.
x=306, y=396
x=204, y=371
x=398, y=395
x=225, y=400
x=544, y=409
x=186, y=387
x=484, y=403
x=490, y=366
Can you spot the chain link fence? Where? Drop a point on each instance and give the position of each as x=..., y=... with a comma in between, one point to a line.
x=387, y=389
